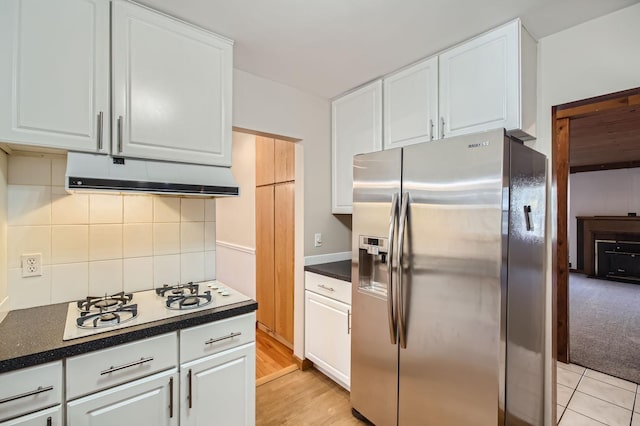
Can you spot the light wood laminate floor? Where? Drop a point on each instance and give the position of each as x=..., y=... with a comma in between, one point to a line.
x=273, y=359
x=303, y=398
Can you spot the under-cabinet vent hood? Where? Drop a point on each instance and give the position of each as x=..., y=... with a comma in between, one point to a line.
x=94, y=172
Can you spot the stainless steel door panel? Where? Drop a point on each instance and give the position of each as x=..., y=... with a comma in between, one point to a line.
x=374, y=359
x=526, y=295
x=452, y=259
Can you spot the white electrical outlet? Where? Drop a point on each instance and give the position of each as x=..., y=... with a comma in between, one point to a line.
x=318, y=239
x=32, y=265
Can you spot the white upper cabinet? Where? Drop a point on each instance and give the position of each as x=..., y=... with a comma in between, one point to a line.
x=489, y=82
x=54, y=73
x=356, y=129
x=411, y=105
x=171, y=89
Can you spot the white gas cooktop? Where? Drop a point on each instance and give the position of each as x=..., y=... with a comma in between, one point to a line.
x=152, y=307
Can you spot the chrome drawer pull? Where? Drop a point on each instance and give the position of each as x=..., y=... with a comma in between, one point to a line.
x=325, y=287
x=26, y=394
x=218, y=339
x=131, y=364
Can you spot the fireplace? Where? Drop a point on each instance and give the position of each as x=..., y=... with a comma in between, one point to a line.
x=617, y=260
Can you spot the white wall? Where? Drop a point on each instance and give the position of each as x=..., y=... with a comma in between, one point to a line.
x=236, y=221
x=598, y=57
x=4, y=305
x=266, y=106
x=601, y=193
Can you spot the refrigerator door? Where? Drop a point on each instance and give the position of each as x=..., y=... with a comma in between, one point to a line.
x=526, y=295
x=449, y=372
x=374, y=352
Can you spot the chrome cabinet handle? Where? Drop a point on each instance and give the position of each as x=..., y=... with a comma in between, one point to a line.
x=401, y=228
x=171, y=398
x=122, y=367
x=430, y=129
x=49, y=421
x=26, y=394
x=189, y=395
x=120, y=130
x=391, y=314
x=348, y=321
x=441, y=127
x=219, y=339
x=100, y=129
x=325, y=287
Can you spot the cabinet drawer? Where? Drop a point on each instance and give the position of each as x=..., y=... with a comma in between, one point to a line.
x=30, y=389
x=48, y=417
x=329, y=287
x=109, y=367
x=214, y=337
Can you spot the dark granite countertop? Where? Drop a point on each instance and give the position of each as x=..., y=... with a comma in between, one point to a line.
x=339, y=270
x=34, y=336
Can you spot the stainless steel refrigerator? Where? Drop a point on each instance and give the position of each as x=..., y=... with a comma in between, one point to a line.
x=448, y=283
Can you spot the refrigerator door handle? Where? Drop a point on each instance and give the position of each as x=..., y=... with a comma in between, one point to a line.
x=393, y=218
x=527, y=217
x=400, y=305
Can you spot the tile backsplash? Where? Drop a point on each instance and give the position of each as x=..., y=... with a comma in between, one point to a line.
x=97, y=243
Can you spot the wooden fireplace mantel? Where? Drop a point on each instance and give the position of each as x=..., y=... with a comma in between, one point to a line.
x=592, y=228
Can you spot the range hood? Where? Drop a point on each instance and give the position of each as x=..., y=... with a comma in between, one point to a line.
x=95, y=172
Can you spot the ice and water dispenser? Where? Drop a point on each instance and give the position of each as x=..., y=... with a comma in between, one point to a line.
x=373, y=257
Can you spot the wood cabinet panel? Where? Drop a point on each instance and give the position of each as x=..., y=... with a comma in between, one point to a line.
x=264, y=160
x=265, y=255
x=285, y=157
x=284, y=255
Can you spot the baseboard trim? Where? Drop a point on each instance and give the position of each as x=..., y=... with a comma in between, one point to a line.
x=302, y=364
x=236, y=247
x=326, y=258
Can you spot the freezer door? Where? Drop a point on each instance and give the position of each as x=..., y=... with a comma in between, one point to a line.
x=374, y=352
x=451, y=297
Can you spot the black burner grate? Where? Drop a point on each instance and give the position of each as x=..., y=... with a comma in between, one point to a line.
x=177, y=290
x=108, y=318
x=104, y=303
x=189, y=301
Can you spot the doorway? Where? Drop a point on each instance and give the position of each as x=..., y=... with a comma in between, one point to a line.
x=596, y=135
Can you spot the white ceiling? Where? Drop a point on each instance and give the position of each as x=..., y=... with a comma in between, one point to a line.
x=327, y=47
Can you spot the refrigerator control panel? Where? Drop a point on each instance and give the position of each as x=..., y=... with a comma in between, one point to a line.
x=374, y=245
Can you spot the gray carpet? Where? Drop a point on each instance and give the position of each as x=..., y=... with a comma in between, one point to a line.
x=604, y=326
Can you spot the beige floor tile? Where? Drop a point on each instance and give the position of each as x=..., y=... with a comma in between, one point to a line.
x=564, y=394
x=559, y=412
x=571, y=367
x=568, y=378
x=607, y=392
x=611, y=380
x=636, y=420
x=599, y=410
x=571, y=418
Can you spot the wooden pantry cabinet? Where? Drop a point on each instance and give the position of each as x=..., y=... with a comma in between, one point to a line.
x=275, y=224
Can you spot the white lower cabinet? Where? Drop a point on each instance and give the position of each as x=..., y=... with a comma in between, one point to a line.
x=48, y=417
x=328, y=333
x=219, y=389
x=149, y=401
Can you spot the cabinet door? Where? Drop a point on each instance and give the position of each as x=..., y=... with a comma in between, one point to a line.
x=283, y=259
x=479, y=83
x=149, y=401
x=285, y=158
x=328, y=336
x=356, y=128
x=265, y=154
x=411, y=105
x=220, y=389
x=54, y=73
x=265, y=256
x=171, y=88
x=48, y=417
